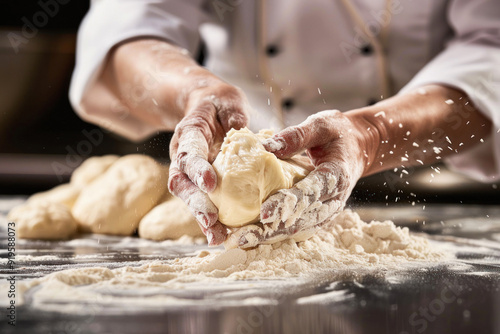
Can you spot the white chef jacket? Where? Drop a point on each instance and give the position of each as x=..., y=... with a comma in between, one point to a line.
x=314, y=54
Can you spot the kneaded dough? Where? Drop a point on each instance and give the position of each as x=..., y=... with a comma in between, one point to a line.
x=115, y=202
x=63, y=194
x=91, y=169
x=43, y=220
x=87, y=172
x=169, y=220
x=247, y=175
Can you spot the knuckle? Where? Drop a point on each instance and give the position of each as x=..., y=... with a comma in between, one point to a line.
x=334, y=113
x=231, y=107
x=193, y=134
x=181, y=159
x=332, y=169
x=232, y=112
x=328, y=167
x=322, y=126
x=201, y=116
x=297, y=136
x=193, y=122
x=221, y=102
x=174, y=180
x=173, y=146
x=238, y=119
x=326, y=125
x=178, y=129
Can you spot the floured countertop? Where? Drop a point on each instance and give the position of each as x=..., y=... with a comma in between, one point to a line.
x=459, y=294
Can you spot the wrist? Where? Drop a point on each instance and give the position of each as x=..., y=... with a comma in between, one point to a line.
x=370, y=130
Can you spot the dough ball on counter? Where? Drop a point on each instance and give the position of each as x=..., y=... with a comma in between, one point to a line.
x=247, y=175
x=115, y=202
x=67, y=193
x=91, y=169
x=43, y=220
x=169, y=220
x=166, y=196
x=63, y=194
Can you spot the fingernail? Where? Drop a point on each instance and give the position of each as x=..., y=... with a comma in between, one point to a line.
x=200, y=182
x=206, y=180
x=202, y=219
x=243, y=241
x=210, y=238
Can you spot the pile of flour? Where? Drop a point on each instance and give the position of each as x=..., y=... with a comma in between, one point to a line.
x=347, y=242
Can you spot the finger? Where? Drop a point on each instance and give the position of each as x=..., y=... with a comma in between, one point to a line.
x=198, y=202
x=216, y=234
x=319, y=213
x=328, y=181
x=232, y=111
x=195, y=132
x=315, y=131
x=232, y=118
x=191, y=158
x=254, y=235
x=245, y=237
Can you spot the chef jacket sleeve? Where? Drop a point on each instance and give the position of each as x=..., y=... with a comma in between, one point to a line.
x=471, y=63
x=110, y=22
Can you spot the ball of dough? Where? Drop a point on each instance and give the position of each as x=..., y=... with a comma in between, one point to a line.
x=116, y=201
x=169, y=220
x=91, y=169
x=63, y=194
x=247, y=175
x=43, y=220
x=166, y=196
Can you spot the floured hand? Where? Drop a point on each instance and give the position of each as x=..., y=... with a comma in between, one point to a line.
x=211, y=111
x=177, y=93
x=335, y=146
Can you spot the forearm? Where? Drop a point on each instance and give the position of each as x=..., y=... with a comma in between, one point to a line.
x=419, y=128
x=416, y=128
x=153, y=80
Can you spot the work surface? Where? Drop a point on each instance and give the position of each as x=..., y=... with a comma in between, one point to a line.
x=461, y=295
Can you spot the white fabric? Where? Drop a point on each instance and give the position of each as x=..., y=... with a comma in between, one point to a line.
x=318, y=64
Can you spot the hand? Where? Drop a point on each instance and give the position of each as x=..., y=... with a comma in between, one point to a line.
x=176, y=92
x=336, y=146
x=210, y=112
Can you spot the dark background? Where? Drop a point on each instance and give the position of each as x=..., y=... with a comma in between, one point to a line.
x=39, y=131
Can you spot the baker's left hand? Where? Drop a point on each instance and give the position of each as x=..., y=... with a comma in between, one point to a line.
x=337, y=147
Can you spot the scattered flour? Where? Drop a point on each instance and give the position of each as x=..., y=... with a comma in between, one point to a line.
x=347, y=242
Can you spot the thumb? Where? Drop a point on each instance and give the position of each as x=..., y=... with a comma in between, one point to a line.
x=315, y=131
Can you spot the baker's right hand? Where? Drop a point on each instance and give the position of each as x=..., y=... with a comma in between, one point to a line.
x=161, y=87
x=210, y=112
